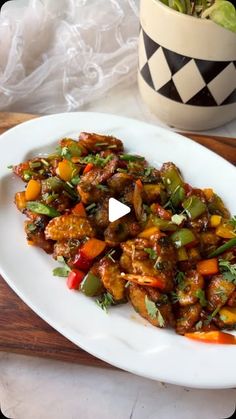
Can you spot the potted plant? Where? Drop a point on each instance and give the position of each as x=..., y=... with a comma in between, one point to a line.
x=187, y=61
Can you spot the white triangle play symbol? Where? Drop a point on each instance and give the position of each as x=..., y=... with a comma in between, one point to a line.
x=116, y=209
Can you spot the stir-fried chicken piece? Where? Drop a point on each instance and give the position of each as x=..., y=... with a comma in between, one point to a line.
x=121, y=230
x=111, y=278
x=219, y=291
x=187, y=290
x=188, y=316
x=96, y=142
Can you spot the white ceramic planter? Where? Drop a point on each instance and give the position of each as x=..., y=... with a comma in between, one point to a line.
x=187, y=68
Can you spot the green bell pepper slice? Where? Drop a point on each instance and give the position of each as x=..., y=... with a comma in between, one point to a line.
x=194, y=207
x=163, y=225
x=182, y=237
x=91, y=285
x=173, y=183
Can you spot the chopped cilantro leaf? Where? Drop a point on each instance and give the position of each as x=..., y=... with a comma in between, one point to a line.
x=180, y=280
x=65, y=152
x=105, y=301
x=228, y=270
x=151, y=308
x=174, y=297
x=153, y=311
x=200, y=294
x=211, y=316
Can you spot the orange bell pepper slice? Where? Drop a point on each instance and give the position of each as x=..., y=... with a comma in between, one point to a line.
x=79, y=210
x=139, y=183
x=33, y=190
x=92, y=248
x=208, y=267
x=214, y=336
x=147, y=280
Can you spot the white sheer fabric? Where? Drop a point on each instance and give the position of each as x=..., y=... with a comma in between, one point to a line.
x=57, y=55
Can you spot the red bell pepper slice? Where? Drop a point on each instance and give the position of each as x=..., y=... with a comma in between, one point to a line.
x=74, y=279
x=82, y=262
x=162, y=212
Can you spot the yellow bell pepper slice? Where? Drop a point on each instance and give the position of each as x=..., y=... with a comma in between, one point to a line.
x=228, y=315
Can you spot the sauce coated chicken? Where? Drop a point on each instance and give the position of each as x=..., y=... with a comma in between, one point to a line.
x=173, y=257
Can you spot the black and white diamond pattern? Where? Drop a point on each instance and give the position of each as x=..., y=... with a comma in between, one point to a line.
x=185, y=79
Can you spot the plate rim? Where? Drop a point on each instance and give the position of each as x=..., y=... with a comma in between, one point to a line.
x=36, y=309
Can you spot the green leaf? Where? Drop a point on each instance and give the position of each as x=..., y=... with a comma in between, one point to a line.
x=154, y=312
x=151, y=308
x=105, y=301
x=152, y=253
x=223, y=13
x=61, y=271
x=228, y=270
x=200, y=294
x=180, y=280
x=174, y=297
x=65, y=152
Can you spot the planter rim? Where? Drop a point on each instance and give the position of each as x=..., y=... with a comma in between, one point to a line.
x=202, y=21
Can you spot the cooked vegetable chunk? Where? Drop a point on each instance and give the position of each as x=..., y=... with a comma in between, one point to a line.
x=68, y=227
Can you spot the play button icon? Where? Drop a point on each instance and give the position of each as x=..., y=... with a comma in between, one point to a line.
x=116, y=209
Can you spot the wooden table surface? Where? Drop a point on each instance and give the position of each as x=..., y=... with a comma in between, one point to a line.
x=21, y=330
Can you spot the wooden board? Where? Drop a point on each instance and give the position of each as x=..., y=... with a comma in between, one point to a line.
x=21, y=330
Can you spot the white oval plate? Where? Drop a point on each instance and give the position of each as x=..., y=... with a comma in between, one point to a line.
x=121, y=337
